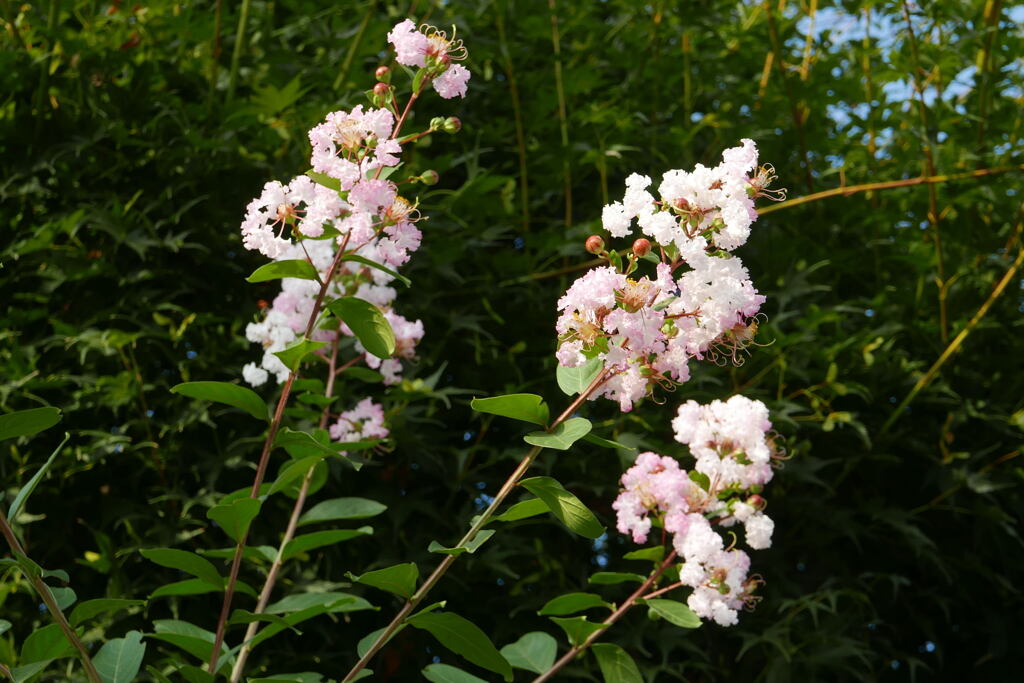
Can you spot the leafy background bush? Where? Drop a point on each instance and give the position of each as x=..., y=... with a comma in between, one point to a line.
x=134, y=135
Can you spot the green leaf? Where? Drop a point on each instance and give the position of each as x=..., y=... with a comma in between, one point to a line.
x=5, y=626
x=331, y=602
x=607, y=443
x=325, y=180
x=319, y=539
x=575, y=380
x=700, y=479
x=293, y=354
x=471, y=547
x=577, y=628
x=564, y=436
x=653, y=554
x=223, y=392
x=373, y=264
x=342, y=508
x=302, y=445
x=90, y=608
x=119, y=660
x=186, y=587
x=45, y=644
x=674, y=612
x=236, y=517
x=533, y=652
x=241, y=616
x=190, y=563
x=464, y=638
x=294, y=470
x=442, y=673
x=400, y=579
x=24, y=673
x=27, y=489
x=521, y=510
x=612, y=578
x=367, y=641
x=27, y=422
x=616, y=664
x=198, y=642
x=65, y=597
x=525, y=407
x=565, y=506
x=275, y=270
x=367, y=323
x=305, y=677
x=362, y=374
x=570, y=603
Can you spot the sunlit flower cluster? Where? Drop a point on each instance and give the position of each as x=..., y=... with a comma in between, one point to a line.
x=734, y=449
x=348, y=206
x=646, y=331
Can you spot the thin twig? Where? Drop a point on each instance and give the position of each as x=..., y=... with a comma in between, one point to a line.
x=563, y=120
x=481, y=521
x=607, y=623
x=51, y=603
x=524, y=185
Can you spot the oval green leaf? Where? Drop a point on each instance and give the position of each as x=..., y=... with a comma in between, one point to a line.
x=367, y=323
x=570, y=603
x=464, y=638
x=674, y=612
x=235, y=517
x=564, y=436
x=534, y=652
x=275, y=270
x=565, y=506
x=223, y=392
x=27, y=422
x=575, y=380
x=616, y=664
x=400, y=579
x=525, y=407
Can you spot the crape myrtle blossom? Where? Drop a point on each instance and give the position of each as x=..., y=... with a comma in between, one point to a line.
x=348, y=202
x=646, y=331
x=734, y=451
x=432, y=49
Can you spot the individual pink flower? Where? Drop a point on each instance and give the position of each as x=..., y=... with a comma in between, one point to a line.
x=410, y=45
x=452, y=82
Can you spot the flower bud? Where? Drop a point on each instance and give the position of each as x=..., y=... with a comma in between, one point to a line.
x=429, y=177
x=757, y=502
x=383, y=73
x=381, y=89
x=595, y=245
x=452, y=125
x=437, y=123
x=641, y=247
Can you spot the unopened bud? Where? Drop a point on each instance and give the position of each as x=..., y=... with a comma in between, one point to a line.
x=595, y=245
x=383, y=73
x=381, y=89
x=641, y=247
x=757, y=502
x=452, y=125
x=429, y=177
x=681, y=203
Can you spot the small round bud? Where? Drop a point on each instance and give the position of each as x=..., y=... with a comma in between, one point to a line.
x=681, y=203
x=382, y=73
x=437, y=123
x=757, y=502
x=641, y=247
x=452, y=125
x=381, y=89
x=595, y=245
x=429, y=177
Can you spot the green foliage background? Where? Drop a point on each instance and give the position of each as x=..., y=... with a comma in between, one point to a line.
x=128, y=163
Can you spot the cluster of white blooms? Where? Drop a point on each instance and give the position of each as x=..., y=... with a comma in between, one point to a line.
x=731, y=443
x=646, y=331
x=348, y=203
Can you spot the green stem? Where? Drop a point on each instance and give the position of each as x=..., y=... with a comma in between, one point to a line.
x=236, y=55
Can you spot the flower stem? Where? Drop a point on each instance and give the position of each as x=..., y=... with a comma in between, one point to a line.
x=612, y=618
x=51, y=604
x=261, y=468
x=481, y=521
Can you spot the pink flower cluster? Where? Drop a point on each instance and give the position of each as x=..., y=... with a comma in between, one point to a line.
x=348, y=203
x=646, y=331
x=362, y=423
x=731, y=443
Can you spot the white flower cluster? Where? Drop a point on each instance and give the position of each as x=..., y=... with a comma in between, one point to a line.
x=348, y=203
x=731, y=443
x=646, y=331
